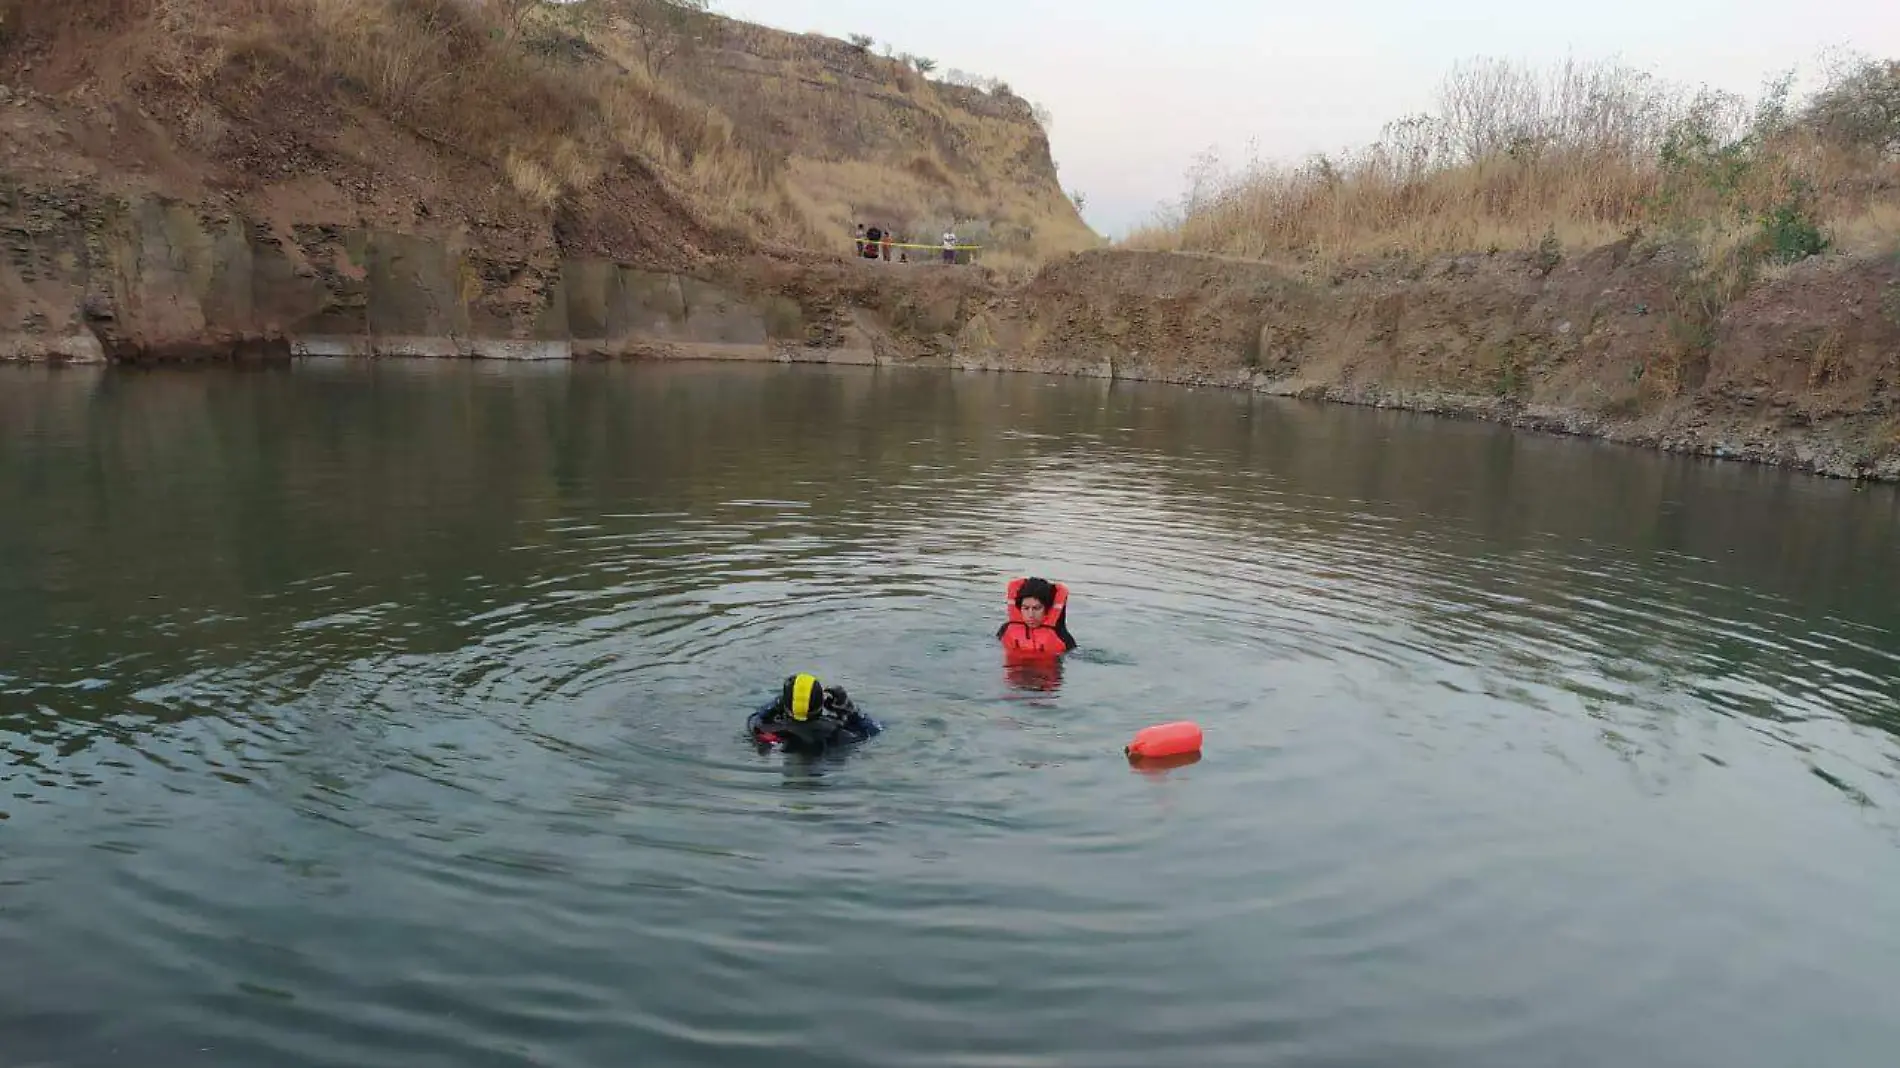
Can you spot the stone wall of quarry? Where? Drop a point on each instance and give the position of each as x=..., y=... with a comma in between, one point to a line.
x=1801, y=370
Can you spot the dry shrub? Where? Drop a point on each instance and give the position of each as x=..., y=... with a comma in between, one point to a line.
x=533, y=181
x=45, y=21
x=1512, y=156
x=927, y=168
x=871, y=140
x=554, y=99
x=439, y=68
x=467, y=76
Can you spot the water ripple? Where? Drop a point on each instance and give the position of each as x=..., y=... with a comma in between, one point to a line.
x=1490, y=780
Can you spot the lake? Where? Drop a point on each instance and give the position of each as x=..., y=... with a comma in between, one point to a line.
x=390, y=714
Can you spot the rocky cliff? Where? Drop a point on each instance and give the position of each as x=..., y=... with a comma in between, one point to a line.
x=179, y=178
x=1803, y=370
x=162, y=199
x=870, y=139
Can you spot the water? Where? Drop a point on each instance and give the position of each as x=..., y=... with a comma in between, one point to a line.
x=367, y=715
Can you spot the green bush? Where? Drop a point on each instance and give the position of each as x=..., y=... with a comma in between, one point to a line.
x=1789, y=230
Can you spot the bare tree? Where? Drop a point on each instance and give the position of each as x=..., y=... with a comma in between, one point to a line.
x=1486, y=106
x=1492, y=107
x=514, y=13
x=1860, y=106
x=668, y=28
x=663, y=30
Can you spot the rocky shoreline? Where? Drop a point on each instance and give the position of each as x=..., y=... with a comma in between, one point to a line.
x=1815, y=454
x=1802, y=372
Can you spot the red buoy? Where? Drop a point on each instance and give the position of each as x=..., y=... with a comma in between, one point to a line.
x=1165, y=740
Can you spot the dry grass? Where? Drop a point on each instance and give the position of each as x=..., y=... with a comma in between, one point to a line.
x=870, y=140
x=533, y=181
x=783, y=137
x=459, y=73
x=1875, y=230
x=439, y=67
x=1515, y=158
x=839, y=194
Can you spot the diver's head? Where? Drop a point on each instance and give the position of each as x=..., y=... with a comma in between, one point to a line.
x=803, y=696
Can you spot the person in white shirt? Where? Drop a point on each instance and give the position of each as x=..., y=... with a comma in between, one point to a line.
x=949, y=246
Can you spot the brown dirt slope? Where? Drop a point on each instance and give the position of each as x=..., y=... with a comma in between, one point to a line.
x=869, y=139
x=442, y=115
x=199, y=102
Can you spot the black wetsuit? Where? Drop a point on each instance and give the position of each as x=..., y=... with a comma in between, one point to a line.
x=840, y=723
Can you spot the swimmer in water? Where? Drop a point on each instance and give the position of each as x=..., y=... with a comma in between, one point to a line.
x=810, y=717
x=1038, y=618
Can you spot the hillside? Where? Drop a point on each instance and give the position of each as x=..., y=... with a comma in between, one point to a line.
x=867, y=138
x=585, y=114
x=178, y=173
x=220, y=179
x=1578, y=156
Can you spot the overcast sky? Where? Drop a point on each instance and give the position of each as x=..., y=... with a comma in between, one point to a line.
x=1139, y=87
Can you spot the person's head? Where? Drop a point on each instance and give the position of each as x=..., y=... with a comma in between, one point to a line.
x=803, y=696
x=1034, y=599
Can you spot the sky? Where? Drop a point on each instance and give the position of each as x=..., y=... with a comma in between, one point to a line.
x=1139, y=88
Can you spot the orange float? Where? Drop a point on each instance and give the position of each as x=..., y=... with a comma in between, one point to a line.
x=1157, y=767
x=1164, y=740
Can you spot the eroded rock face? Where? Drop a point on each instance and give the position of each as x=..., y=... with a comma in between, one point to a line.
x=91, y=278
x=1804, y=370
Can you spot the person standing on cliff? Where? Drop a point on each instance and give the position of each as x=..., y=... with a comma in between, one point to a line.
x=859, y=250
x=887, y=246
x=950, y=245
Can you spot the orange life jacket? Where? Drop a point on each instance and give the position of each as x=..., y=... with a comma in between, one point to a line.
x=1044, y=640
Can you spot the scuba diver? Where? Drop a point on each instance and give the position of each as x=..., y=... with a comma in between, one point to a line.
x=1038, y=624
x=810, y=717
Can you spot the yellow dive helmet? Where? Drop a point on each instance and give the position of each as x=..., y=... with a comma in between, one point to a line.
x=803, y=697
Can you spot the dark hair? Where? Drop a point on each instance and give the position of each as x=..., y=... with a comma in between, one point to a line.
x=1041, y=589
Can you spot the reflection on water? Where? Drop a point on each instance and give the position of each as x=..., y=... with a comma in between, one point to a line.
x=1033, y=675
x=392, y=714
